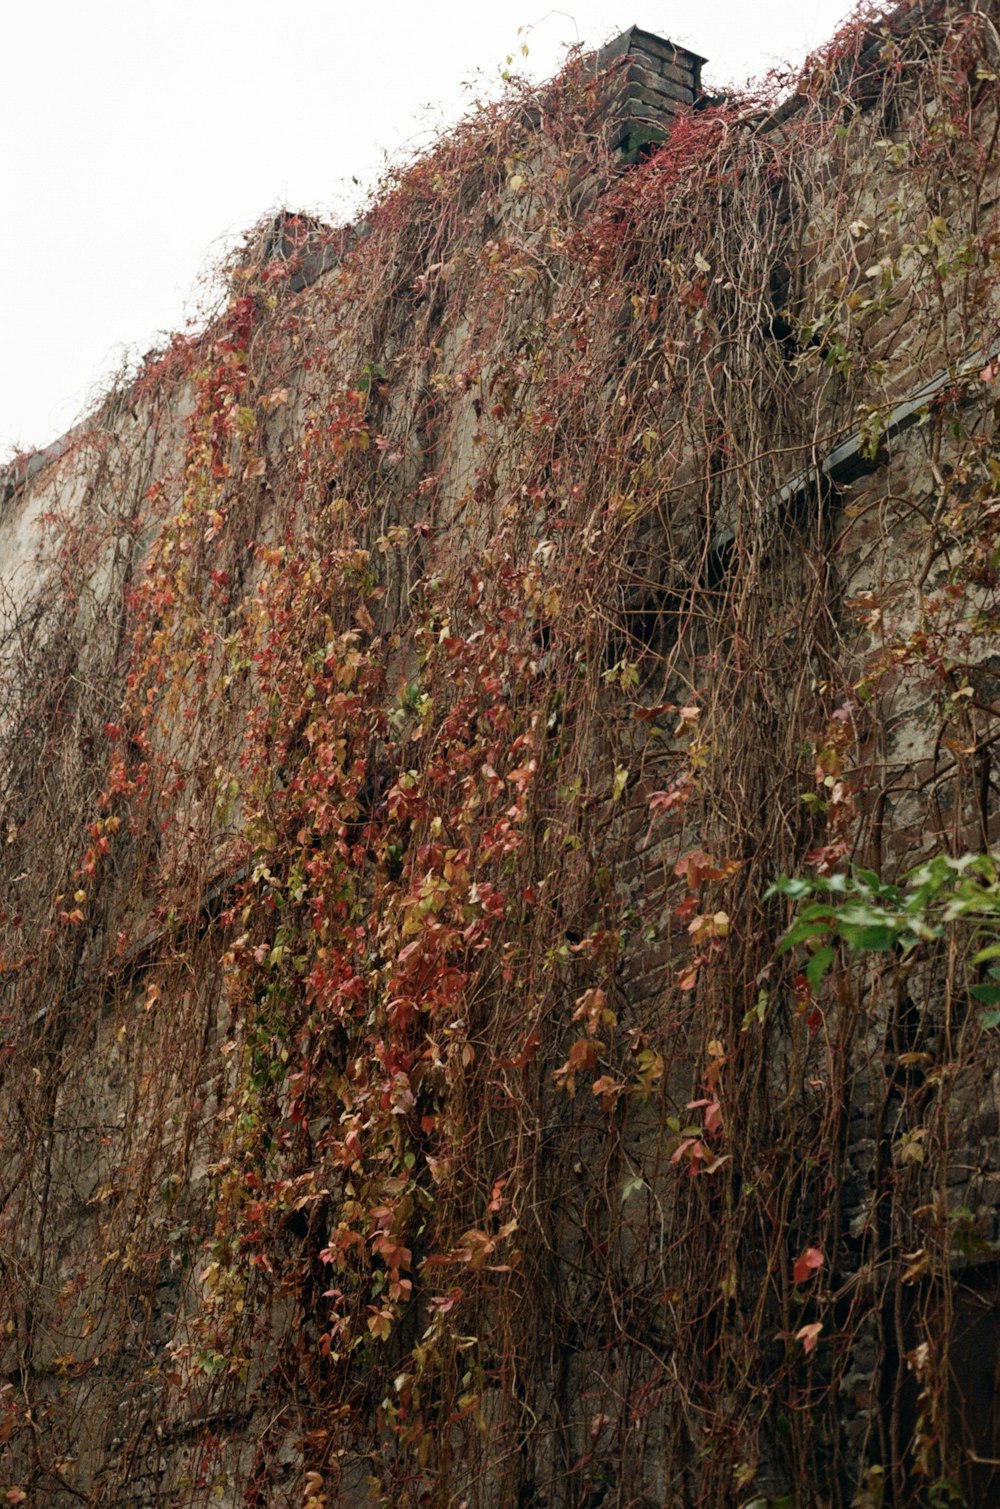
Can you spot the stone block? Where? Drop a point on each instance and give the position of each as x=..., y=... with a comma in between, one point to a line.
x=682, y=67
x=655, y=87
x=660, y=47
x=678, y=73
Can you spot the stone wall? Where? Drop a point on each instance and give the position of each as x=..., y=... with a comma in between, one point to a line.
x=837, y=543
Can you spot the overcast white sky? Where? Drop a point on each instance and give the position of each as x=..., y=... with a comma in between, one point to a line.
x=140, y=139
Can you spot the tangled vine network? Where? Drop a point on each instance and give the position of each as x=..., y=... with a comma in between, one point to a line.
x=433, y=693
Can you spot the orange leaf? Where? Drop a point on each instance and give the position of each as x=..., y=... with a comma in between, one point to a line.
x=380, y=1323
x=582, y=1057
x=809, y=1335
x=806, y=1265
x=608, y=1090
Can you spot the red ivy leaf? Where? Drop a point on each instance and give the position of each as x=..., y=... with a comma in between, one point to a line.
x=809, y=1335
x=805, y=1267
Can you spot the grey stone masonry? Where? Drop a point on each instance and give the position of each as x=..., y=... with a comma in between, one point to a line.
x=655, y=79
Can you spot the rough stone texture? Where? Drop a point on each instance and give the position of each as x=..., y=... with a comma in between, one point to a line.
x=872, y=499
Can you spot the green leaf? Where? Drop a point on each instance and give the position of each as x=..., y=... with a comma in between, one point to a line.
x=875, y=938
x=820, y=911
x=988, y=994
x=801, y=933
x=819, y=964
x=989, y=1019
x=757, y=1012
x=632, y=1187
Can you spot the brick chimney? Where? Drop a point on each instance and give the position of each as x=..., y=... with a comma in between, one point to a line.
x=653, y=79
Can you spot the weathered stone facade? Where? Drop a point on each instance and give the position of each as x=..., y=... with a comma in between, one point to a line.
x=785, y=571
